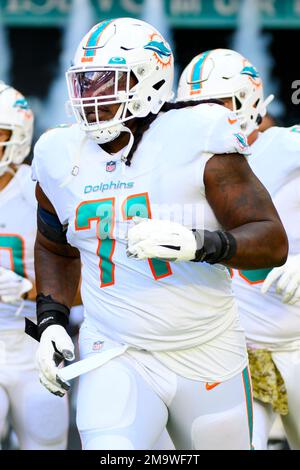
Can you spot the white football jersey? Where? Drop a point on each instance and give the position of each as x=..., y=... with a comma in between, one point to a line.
x=167, y=308
x=17, y=237
x=267, y=321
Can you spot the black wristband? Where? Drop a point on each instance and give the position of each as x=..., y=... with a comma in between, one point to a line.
x=217, y=246
x=48, y=312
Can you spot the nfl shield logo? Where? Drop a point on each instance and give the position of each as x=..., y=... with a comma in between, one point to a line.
x=110, y=166
x=97, y=345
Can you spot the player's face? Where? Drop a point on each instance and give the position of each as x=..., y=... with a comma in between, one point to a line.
x=5, y=135
x=104, y=85
x=228, y=103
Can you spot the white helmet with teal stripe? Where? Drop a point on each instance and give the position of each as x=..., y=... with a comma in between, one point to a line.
x=124, y=62
x=223, y=73
x=16, y=117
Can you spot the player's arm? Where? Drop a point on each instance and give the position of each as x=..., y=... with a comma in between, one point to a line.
x=252, y=236
x=57, y=264
x=244, y=208
x=57, y=270
x=32, y=293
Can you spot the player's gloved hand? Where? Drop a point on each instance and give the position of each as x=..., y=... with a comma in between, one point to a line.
x=161, y=239
x=12, y=286
x=287, y=278
x=55, y=346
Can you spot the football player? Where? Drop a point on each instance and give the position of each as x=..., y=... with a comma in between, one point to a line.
x=271, y=321
x=39, y=419
x=157, y=297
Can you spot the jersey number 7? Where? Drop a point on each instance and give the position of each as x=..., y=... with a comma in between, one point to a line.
x=102, y=211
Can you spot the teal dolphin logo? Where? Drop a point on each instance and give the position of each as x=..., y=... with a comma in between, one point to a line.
x=251, y=71
x=22, y=103
x=159, y=47
x=242, y=141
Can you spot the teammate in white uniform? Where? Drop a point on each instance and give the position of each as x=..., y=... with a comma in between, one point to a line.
x=271, y=321
x=39, y=420
x=185, y=364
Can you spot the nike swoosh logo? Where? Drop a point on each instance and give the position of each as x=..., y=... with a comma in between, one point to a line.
x=211, y=386
x=232, y=121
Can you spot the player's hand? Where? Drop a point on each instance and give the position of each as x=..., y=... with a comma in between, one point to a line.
x=55, y=346
x=287, y=278
x=160, y=239
x=12, y=286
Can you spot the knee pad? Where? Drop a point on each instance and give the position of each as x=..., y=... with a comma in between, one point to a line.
x=106, y=399
x=225, y=430
x=103, y=441
x=47, y=419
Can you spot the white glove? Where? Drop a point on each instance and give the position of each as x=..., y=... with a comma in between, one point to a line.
x=12, y=286
x=289, y=280
x=47, y=358
x=161, y=239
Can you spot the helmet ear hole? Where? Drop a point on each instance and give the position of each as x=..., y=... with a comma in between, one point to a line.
x=159, y=84
x=256, y=103
x=258, y=120
x=238, y=104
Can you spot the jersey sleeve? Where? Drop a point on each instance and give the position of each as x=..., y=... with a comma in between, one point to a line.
x=292, y=141
x=222, y=131
x=218, y=133
x=39, y=165
x=49, y=169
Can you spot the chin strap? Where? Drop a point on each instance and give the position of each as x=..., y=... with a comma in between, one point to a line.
x=7, y=169
x=264, y=110
x=128, y=147
x=268, y=101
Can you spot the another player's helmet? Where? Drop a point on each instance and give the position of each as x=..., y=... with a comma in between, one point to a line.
x=223, y=73
x=112, y=54
x=17, y=117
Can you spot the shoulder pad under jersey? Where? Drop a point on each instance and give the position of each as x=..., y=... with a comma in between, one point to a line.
x=223, y=133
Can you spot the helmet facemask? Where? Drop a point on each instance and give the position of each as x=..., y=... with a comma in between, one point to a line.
x=103, y=99
x=16, y=117
x=123, y=69
x=248, y=108
x=15, y=148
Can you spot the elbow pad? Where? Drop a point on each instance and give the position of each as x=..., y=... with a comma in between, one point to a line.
x=215, y=247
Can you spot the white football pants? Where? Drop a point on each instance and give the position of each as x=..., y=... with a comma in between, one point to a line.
x=126, y=405
x=39, y=418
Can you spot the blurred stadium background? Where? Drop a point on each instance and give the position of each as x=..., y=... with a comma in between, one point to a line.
x=38, y=39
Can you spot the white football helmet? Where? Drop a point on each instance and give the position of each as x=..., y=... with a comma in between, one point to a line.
x=223, y=73
x=113, y=54
x=16, y=116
